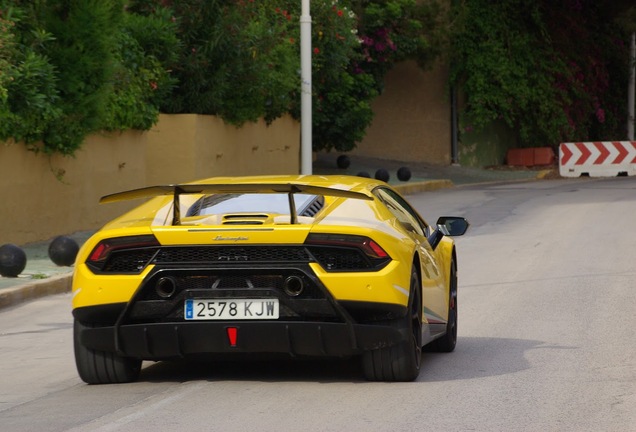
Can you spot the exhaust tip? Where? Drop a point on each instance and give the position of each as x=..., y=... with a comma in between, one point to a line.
x=294, y=286
x=166, y=287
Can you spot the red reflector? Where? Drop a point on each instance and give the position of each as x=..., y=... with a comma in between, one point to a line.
x=98, y=253
x=232, y=335
x=377, y=249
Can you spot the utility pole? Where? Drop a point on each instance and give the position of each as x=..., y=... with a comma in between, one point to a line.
x=305, y=91
x=631, y=90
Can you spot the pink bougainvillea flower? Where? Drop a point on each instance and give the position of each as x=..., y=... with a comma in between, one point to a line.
x=600, y=115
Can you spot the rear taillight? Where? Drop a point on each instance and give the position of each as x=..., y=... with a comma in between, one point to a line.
x=329, y=250
x=108, y=248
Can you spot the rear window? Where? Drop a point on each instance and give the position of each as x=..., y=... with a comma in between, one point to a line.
x=253, y=203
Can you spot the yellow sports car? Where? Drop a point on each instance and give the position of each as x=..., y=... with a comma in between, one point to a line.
x=303, y=266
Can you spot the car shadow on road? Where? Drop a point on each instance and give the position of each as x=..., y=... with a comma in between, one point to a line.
x=474, y=357
x=265, y=370
x=480, y=357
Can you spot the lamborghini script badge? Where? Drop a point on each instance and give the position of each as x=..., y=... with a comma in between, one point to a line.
x=235, y=239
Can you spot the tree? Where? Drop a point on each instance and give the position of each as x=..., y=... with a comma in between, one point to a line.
x=240, y=59
x=550, y=71
x=146, y=51
x=81, y=49
x=72, y=67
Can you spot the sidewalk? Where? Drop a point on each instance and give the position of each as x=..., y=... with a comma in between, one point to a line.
x=42, y=277
x=423, y=174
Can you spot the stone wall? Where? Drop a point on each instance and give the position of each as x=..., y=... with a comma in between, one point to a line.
x=412, y=117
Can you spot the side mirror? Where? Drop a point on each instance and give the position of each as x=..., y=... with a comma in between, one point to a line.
x=452, y=225
x=449, y=226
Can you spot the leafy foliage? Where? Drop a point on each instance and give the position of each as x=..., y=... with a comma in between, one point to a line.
x=146, y=47
x=75, y=67
x=236, y=61
x=342, y=92
x=240, y=59
x=551, y=72
x=355, y=44
x=7, y=49
x=7, y=70
x=29, y=97
x=72, y=67
x=266, y=65
x=395, y=30
x=59, y=73
x=81, y=50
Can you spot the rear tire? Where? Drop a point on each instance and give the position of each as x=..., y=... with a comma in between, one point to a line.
x=100, y=367
x=448, y=342
x=400, y=362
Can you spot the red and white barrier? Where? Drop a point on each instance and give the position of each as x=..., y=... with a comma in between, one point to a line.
x=597, y=159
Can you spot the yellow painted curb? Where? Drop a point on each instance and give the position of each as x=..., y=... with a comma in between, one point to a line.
x=543, y=174
x=424, y=186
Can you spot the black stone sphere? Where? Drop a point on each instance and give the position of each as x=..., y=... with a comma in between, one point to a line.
x=343, y=161
x=404, y=174
x=12, y=260
x=63, y=251
x=382, y=174
x=364, y=174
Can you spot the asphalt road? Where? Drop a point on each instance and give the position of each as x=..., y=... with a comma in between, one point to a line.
x=546, y=340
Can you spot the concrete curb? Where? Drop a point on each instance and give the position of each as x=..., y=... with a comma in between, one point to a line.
x=57, y=284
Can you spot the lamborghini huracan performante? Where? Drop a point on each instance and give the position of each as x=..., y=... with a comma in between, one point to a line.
x=298, y=266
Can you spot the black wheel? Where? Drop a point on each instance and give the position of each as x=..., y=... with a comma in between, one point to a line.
x=400, y=362
x=448, y=342
x=99, y=367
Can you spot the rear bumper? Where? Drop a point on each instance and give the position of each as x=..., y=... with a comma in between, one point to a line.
x=152, y=325
x=161, y=341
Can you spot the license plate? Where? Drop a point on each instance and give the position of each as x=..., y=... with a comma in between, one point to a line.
x=231, y=309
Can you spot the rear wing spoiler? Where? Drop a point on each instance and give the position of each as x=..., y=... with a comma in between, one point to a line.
x=181, y=189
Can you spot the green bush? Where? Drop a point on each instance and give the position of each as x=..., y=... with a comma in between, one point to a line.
x=552, y=72
x=146, y=46
x=72, y=67
x=34, y=99
x=29, y=96
x=263, y=64
x=61, y=71
x=240, y=60
x=391, y=31
x=7, y=48
x=82, y=51
x=7, y=55
x=236, y=60
x=342, y=91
